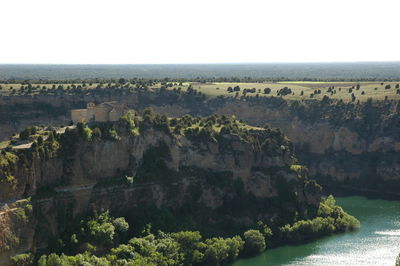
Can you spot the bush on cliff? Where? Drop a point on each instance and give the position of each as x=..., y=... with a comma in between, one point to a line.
x=25, y=259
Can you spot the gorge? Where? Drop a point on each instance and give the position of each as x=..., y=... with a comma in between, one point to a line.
x=216, y=175
x=220, y=175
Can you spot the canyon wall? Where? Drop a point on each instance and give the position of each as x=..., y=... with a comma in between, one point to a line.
x=323, y=133
x=344, y=153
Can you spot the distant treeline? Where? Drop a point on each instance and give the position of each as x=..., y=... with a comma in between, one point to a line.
x=368, y=71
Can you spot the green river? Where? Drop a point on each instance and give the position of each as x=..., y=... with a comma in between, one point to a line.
x=376, y=243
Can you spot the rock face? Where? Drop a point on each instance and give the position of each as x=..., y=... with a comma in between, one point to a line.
x=337, y=153
x=168, y=169
x=322, y=135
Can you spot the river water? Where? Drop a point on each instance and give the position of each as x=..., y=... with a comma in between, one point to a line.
x=376, y=243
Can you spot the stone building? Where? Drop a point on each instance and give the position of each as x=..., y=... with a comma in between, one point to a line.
x=108, y=111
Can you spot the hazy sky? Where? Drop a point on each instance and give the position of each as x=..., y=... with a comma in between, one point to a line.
x=201, y=31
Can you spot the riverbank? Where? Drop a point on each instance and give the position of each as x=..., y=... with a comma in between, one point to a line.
x=376, y=243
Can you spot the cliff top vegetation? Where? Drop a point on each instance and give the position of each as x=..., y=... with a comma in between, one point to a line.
x=291, y=90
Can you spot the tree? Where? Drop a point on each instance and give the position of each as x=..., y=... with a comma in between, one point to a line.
x=24, y=135
x=102, y=232
x=254, y=242
x=325, y=99
x=189, y=243
x=148, y=115
x=121, y=225
x=284, y=91
x=51, y=137
x=219, y=251
x=80, y=126
x=100, y=229
x=51, y=260
x=267, y=91
x=264, y=230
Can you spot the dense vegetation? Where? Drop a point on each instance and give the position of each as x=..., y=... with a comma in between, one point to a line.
x=100, y=239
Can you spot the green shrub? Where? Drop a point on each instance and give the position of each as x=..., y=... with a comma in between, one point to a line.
x=87, y=134
x=121, y=225
x=254, y=242
x=25, y=259
x=112, y=133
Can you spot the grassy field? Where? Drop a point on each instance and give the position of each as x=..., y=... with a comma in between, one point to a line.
x=375, y=90
x=300, y=89
x=321, y=82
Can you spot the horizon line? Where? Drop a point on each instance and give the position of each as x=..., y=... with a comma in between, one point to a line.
x=213, y=63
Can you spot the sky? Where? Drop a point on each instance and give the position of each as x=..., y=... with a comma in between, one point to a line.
x=201, y=31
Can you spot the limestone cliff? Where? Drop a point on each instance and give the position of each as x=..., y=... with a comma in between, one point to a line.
x=323, y=132
x=215, y=162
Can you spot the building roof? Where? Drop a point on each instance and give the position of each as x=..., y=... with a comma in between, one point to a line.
x=113, y=105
